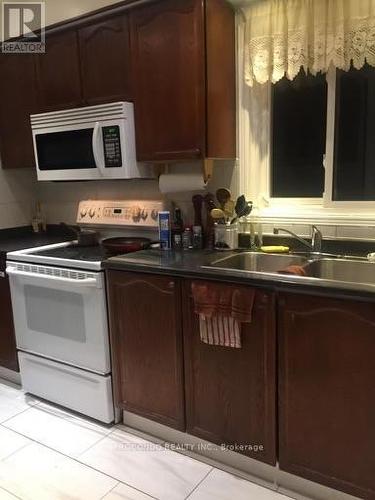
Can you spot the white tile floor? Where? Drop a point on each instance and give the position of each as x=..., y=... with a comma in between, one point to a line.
x=49, y=454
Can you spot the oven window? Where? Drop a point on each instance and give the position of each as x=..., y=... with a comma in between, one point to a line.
x=55, y=312
x=71, y=150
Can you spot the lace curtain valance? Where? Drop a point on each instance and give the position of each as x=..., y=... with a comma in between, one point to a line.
x=281, y=36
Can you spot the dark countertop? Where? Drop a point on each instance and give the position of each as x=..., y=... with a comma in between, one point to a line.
x=189, y=264
x=23, y=237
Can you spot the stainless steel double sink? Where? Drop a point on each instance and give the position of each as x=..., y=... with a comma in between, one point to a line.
x=361, y=272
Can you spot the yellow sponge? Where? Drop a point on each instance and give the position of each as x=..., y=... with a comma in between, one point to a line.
x=275, y=249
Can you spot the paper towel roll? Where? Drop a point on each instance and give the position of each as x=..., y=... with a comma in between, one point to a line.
x=179, y=183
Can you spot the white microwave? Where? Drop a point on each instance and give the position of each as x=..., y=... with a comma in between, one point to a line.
x=94, y=142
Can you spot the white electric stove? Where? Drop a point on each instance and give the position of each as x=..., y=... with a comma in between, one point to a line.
x=60, y=312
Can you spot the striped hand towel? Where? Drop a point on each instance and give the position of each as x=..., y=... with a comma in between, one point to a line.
x=222, y=308
x=220, y=330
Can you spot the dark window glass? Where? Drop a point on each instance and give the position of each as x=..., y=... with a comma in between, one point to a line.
x=299, y=111
x=65, y=150
x=354, y=163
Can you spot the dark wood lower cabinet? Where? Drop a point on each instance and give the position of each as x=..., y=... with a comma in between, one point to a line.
x=8, y=351
x=231, y=393
x=325, y=371
x=327, y=391
x=146, y=336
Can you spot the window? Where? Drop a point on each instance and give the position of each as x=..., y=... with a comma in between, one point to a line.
x=354, y=153
x=303, y=133
x=299, y=110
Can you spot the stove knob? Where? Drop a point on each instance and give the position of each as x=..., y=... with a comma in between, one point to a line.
x=83, y=213
x=137, y=214
x=92, y=212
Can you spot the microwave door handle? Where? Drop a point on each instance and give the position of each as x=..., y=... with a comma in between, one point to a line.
x=96, y=149
x=88, y=282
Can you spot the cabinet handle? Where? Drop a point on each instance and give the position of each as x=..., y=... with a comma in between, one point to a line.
x=171, y=285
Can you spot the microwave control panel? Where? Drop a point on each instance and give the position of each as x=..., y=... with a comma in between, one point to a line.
x=112, y=146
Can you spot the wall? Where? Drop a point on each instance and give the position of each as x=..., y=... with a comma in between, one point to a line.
x=59, y=10
x=17, y=197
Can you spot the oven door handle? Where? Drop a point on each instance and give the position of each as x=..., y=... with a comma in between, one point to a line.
x=86, y=283
x=97, y=150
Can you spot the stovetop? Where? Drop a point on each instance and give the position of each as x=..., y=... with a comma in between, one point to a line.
x=63, y=255
x=94, y=253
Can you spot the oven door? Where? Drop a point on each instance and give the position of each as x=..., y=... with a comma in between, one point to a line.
x=61, y=314
x=93, y=150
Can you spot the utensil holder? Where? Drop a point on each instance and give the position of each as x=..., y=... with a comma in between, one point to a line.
x=226, y=236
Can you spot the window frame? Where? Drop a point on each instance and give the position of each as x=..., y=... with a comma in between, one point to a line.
x=323, y=209
x=328, y=202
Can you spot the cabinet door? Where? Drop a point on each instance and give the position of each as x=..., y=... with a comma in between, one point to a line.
x=231, y=393
x=169, y=71
x=105, y=60
x=8, y=352
x=327, y=391
x=18, y=101
x=221, y=79
x=58, y=73
x=145, y=319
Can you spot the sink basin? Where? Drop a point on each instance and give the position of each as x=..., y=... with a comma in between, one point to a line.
x=259, y=262
x=342, y=270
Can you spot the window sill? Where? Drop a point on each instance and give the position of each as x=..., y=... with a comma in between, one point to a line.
x=315, y=214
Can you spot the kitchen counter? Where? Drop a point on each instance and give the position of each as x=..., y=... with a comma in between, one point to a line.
x=23, y=237
x=195, y=264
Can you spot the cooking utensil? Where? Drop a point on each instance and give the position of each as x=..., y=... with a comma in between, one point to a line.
x=243, y=208
x=223, y=195
x=121, y=245
x=218, y=215
x=229, y=209
x=85, y=237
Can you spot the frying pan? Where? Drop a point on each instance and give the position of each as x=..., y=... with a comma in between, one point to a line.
x=117, y=246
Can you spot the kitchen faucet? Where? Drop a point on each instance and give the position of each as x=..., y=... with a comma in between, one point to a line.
x=316, y=238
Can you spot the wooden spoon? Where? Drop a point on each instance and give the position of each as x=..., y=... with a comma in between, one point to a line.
x=223, y=195
x=218, y=215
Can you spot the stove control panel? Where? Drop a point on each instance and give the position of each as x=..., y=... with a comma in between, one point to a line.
x=120, y=213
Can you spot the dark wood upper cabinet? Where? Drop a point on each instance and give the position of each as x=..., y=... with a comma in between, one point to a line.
x=327, y=391
x=8, y=351
x=58, y=72
x=182, y=110
x=18, y=101
x=105, y=60
x=231, y=393
x=146, y=338
x=174, y=58
x=220, y=80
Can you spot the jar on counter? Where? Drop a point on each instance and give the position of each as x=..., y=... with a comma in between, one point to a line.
x=249, y=233
x=226, y=236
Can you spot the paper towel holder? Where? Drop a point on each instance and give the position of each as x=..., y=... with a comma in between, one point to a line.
x=208, y=169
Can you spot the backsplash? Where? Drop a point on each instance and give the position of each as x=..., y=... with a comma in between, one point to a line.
x=17, y=197
x=19, y=191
